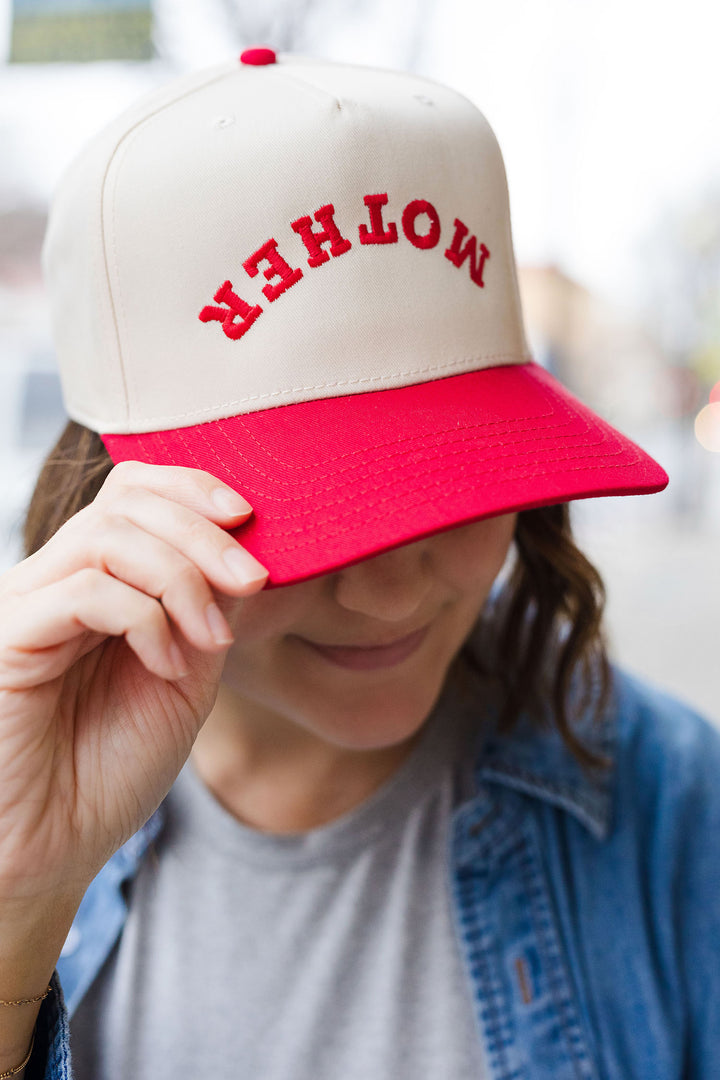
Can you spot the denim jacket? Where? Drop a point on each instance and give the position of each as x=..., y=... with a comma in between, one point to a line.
x=587, y=904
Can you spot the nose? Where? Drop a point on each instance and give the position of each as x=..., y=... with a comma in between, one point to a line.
x=391, y=586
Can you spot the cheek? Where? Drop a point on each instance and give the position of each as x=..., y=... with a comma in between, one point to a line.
x=470, y=557
x=260, y=621
x=252, y=669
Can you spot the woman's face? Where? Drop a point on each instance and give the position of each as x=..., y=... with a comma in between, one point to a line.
x=358, y=657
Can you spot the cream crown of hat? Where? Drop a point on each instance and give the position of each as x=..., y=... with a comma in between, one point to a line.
x=172, y=199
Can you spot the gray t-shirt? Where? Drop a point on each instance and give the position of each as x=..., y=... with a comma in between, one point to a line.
x=314, y=956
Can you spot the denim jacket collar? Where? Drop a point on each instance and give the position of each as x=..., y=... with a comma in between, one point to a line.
x=536, y=761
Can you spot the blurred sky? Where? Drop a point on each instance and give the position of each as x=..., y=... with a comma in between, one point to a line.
x=622, y=95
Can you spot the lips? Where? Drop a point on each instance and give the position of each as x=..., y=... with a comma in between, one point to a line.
x=370, y=658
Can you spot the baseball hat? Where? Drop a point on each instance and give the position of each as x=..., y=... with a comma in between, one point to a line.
x=299, y=276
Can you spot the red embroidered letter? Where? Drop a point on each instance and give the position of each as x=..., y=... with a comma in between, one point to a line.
x=330, y=234
x=378, y=235
x=277, y=268
x=458, y=257
x=411, y=212
x=236, y=309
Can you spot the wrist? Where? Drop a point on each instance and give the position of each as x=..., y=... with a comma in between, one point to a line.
x=18, y=1069
x=18, y=1029
x=31, y=939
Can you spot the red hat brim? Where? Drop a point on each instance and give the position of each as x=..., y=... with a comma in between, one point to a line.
x=338, y=480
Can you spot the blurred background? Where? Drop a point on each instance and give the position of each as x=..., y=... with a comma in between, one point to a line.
x=608, y=113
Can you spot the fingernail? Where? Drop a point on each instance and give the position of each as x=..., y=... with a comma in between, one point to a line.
x=218, y=625
x=178, y=661
x=229, y=502
x=243, y=566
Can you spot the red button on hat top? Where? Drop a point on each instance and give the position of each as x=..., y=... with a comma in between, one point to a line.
x=258, y=56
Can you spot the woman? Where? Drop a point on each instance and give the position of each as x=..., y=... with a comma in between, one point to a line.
x=408, y=824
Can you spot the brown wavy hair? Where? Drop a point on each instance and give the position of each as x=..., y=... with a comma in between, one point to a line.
x=543, y=640
x=547, y=631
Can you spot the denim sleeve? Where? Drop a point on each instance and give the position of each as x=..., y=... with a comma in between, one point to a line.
x=697, y=885
x=51, y=1055
x=681, y=808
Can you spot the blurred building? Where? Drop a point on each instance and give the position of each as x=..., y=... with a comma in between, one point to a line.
x=49, y=45
x=48, y=31
x=603, y=355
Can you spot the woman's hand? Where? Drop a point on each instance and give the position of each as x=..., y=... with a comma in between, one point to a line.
x=112, y=643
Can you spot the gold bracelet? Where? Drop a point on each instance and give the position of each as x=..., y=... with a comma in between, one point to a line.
x=28, y=1001
x=21, y=1066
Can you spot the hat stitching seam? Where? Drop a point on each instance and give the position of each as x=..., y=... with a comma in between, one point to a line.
x=105, y=197
x=395, y=448
x=277, y=481
x=192, y=454
x=421, y=439
x=142, y=446
x=318, y=491
x=280, y=73
x=391, y=445
x=100, y=271
x=163, y=443
x=118, y=309
x=117, y=155
x=479, y=480
x=509, y=356
x=318, y=537
x=509, y=426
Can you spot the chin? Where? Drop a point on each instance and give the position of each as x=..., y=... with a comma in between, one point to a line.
x=377, y=720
